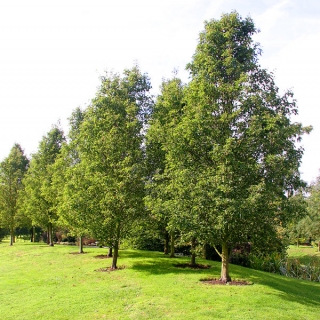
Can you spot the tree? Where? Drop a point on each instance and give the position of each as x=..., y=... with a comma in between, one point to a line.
x=39, y=200
x=63, y=173
x=234, y=163
x=12, y=171
x=299, y=220
x=106, y=187
x=166, y=115
x=313, y=218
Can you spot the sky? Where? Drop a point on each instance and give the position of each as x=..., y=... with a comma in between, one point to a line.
x=53, y=52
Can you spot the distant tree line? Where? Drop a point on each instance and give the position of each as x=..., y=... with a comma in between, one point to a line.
x=212, y=163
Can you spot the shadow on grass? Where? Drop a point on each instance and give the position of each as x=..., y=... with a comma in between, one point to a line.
x=137, y=254
x=154, y=268
x=22, y=243
x=164, y=265
x=288, y=289
x=302, y=291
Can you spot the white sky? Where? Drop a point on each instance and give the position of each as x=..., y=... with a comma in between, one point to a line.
x=53, y=52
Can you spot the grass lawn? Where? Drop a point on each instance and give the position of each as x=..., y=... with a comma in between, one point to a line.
x=305, y=254
x=40, y=282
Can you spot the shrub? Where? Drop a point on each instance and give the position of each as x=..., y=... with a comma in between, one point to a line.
x=3, y=233
x=293, y=268
x=270, y=263
x=240, y=259
x=143, y=242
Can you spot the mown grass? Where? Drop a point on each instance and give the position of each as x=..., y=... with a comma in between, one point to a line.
x=305, y=254
x=38, y=282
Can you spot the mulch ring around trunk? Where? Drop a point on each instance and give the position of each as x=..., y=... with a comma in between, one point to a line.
x=234, y=282
x=78, y=252
x=192, y=266
x=102, y=256
x=109, y=269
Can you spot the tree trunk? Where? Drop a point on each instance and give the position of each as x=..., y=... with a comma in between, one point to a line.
x=110, y=252
x=48, y=234
x=116, y=249
x=80, y=245
x=166, y=243
x=33, y=231
x=204, y=251
x=115, y=255
x=172, y=244
x=11, y=236
x=50, y=237
x=225, y=277
x=193, y=253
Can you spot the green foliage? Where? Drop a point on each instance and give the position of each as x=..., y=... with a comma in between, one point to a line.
x=232, y=162
x=313, y=219
x=271, y=263
x=3, y=233
x=305, y=267
x=293, y=268
x=144, y=241
x=241, y=126
x=65, y=171
x=306, y=224
x=214, y=161
x=104, y=186
x=298, y=225
x=160, y=137
x=145, y=234
x=39, y=199
x=12, y=172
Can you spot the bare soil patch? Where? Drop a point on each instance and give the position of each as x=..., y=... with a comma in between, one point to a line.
x=109, y=269
x=78, y=252
x=192, y=266
x=102, y=256
x=230, y=283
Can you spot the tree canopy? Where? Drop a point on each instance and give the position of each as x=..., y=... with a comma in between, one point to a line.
x=104, y=189
x=12, y=171
x=215, y=160
x=233, y=162
x=39, y=201
x=312, y=222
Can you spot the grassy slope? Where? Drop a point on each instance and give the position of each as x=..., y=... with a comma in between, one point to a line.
x=39, y=282
x=304, y=254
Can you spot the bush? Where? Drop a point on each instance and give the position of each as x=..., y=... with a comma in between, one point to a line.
x=209, y=253
x=240, y=259
x=23, y=232
x=3, y=233
x=270, y=263
x=69, y=239
x=293, y=268
x=144, y=242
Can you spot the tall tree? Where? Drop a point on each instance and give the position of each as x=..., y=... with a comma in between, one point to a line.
x=235, y=144
x=313, y=218
x=166, y=115
x=298, y=225
x=63, y=173
x=108, y=181
x=12, y=171
x=39, y=200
